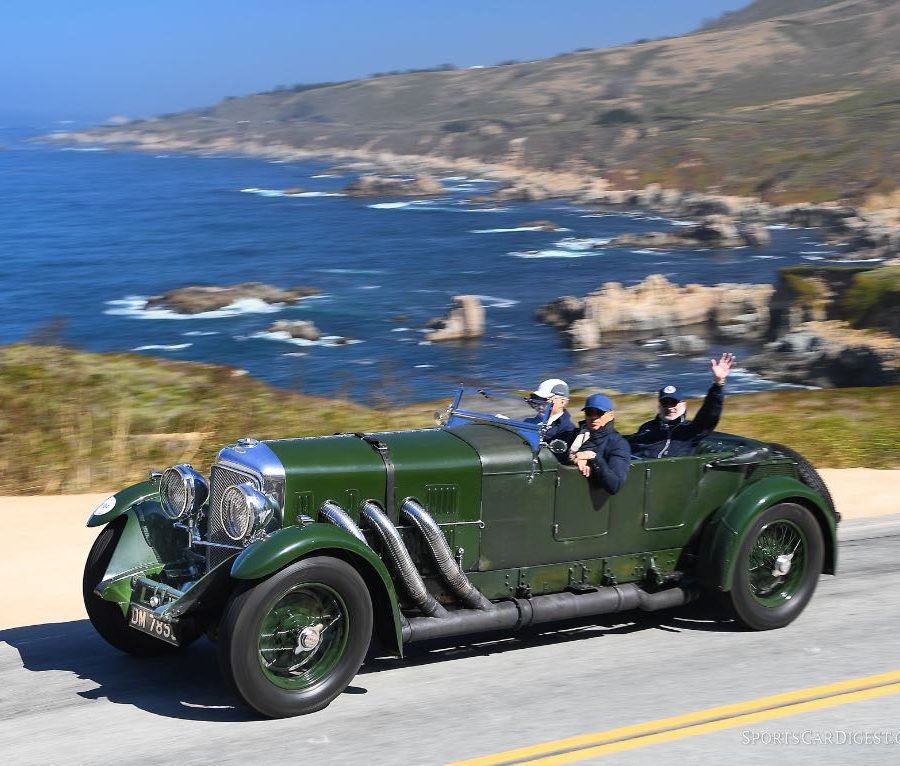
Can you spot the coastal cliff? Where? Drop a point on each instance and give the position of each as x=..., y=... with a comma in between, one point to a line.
x=785, y=102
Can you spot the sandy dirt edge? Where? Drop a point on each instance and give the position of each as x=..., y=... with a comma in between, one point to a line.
x=41, y=561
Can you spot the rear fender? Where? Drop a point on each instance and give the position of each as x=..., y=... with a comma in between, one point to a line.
x=290, y=544
x=724, y=534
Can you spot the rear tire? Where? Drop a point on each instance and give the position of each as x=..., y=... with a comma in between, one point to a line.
x=106, y=616
x=777, y=568
x=808, y=475
x=292, y=643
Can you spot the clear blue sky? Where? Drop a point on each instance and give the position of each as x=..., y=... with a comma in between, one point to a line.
x=97, y=58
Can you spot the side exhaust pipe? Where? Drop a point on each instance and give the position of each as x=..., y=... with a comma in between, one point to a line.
x=449, y=570
x=516, y=614
x=333, y=513
x=402, y=561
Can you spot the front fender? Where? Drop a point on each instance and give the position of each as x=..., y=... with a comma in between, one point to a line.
x=724, y=534
x=123, y=500
x=292, y=543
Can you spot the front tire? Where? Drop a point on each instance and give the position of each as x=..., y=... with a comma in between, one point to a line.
x=292, y=643
x=106, y=616
x=777, y=568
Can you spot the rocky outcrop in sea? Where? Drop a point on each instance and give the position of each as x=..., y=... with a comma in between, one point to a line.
x=464, y=320
x=422, y=185
x=199, y=300
x=659, y=307
x=714, y=231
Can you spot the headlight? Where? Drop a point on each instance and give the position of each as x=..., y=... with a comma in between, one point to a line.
x=244, y=510
x=182, y=491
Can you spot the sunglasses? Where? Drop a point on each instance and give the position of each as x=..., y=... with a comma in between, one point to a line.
x=669, y=402
x=592, y=413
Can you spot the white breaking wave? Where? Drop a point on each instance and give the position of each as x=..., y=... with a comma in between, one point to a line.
x=200, y=332
x=582, y=243
x=439, y=204
x=390, y=205
x=504, y=231
x=135, y=306
x=648, y=251
x=855, y=260
x=326, y=341
x=327, y=175
x=280, y=193
x=493, y=302
x=155, y=347
x=554, y=253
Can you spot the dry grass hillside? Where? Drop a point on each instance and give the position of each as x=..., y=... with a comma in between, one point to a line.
x=74, y=421
x=786, y=100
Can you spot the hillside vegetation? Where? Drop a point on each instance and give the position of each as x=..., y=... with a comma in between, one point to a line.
x=790, y=101
x=75, y=421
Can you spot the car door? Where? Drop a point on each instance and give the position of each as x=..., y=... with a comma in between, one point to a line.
x=650, y=512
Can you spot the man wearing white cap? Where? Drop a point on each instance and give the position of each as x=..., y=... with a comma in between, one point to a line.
x=555, y=392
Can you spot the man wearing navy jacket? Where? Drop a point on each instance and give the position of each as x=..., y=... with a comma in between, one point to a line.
x=670, y=433
x=599, y=451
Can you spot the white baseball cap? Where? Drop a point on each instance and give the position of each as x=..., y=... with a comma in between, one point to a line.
x=552, y=387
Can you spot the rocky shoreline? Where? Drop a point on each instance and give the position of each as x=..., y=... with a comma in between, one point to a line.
x=867, y=234
x=688, y=317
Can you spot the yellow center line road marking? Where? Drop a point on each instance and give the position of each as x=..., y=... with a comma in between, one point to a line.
x=584, y=746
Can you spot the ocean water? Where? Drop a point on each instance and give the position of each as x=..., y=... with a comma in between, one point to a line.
x=87, y=236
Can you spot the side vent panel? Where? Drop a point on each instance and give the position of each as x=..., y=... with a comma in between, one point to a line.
x=442, y=500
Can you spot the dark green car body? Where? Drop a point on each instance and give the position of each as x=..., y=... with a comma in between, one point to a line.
x=524, y=528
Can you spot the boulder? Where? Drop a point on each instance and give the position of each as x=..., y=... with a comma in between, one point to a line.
x=755, y=234
x=686, y=345
x=713, y=231
x=542, y=224
x=423, y=185
x=562, y=312
x=296, y=329
x=465, y=319
x=199, y=300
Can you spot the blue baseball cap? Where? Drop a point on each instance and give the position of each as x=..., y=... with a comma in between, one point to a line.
x=598, y=402
x=670, y=392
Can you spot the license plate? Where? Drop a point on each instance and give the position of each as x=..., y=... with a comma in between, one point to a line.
x=142, y=619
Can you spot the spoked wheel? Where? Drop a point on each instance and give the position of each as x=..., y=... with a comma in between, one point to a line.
x=290, y=644
x=778, y=567
x=106, y=616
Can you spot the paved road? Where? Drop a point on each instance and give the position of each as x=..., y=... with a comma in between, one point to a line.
x=65, y=697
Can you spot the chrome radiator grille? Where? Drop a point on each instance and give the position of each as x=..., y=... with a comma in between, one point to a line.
x=221, y=478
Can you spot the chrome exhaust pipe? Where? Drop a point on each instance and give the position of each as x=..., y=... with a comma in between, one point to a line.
x=334, y=514
x=449, y=570
x=401, y=559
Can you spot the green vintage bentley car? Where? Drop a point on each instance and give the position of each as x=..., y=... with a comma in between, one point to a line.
x=296, y=553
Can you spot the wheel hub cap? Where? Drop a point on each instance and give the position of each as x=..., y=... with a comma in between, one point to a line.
x=782, y=565
x=308, y=639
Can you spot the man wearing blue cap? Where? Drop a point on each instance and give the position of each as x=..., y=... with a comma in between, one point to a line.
x=670, y=434
x=599, y=451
